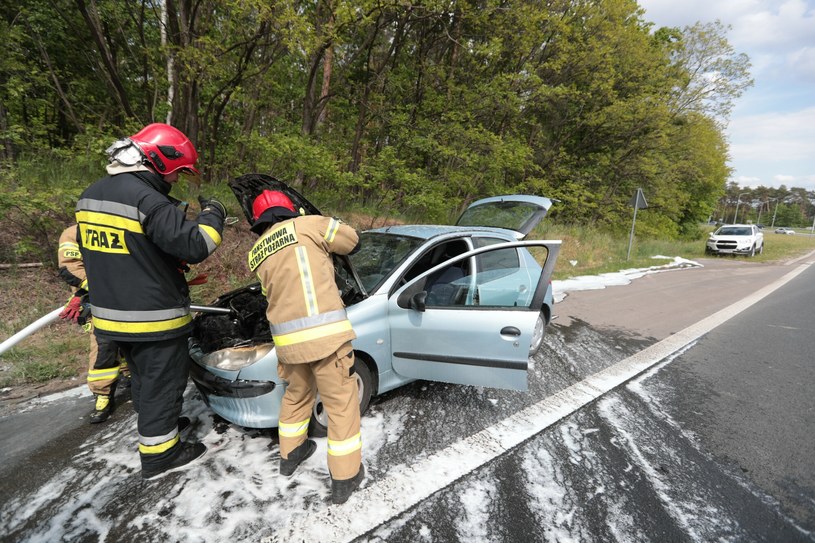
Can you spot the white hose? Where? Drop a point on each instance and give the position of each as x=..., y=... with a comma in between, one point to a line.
x=30, y=329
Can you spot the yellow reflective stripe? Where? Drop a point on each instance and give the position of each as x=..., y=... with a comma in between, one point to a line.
x=212, y=233
x=141, y=327
x=102, y=401
x=84, y=284
x=286, y=429
x=106, y=219
x=70, y=250
x=101, y=375
x=312, y=333
x=333, y=226
x=160, y=448
x=341, y=448
x=307, y=282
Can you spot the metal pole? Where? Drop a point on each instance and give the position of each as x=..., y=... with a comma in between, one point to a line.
x=209, y=309
x=631, y=237
x=738, y=202
x=760, y=207
x=777, y=201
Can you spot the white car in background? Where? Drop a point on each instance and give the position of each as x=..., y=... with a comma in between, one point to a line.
x=788, y=231
x=736, y=239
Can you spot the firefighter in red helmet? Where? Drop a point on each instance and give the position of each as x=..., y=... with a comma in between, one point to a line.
x=311, y=333
x=135, y=241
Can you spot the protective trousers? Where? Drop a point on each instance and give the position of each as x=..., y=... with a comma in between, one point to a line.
x=333, y=377
x=159, y=371
x=104, y=365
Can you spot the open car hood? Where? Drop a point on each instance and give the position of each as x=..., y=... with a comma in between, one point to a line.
x=518, y=212
x=248, y=187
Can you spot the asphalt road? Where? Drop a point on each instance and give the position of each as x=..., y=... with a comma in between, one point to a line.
x=714, y=444
x=747, y=393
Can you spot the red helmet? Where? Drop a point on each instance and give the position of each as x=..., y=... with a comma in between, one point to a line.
x=166, y=148
x=270, y=198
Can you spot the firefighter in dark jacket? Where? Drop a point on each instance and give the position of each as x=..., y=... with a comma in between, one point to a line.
x=105, y=366
x=135, y=241
x=311, y=333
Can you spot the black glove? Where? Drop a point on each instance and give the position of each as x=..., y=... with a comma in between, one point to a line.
x=212, y=204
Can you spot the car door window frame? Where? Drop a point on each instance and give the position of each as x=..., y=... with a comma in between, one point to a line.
x=417, y=285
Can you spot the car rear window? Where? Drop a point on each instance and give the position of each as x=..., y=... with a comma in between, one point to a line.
x=511, y=215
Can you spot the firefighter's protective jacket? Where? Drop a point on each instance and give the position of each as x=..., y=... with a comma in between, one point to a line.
x=133, y=239
x=69, y=259
x=293, y=262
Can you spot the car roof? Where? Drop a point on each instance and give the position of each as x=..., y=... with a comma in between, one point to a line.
x=427, y=231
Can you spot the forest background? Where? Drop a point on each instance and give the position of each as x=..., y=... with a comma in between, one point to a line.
x=377, y=110
x=391, y=107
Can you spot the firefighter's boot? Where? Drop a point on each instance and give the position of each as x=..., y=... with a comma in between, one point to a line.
x=187, y=453
x=341, y=490
x=297, y=457
x=102, y=409
x=183, y=423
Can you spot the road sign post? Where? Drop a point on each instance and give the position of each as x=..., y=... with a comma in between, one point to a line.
x=638, y=202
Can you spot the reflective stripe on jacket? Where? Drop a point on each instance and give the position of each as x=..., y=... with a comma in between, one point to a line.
x=293, y=262
x=69, y=258
x=133, y=238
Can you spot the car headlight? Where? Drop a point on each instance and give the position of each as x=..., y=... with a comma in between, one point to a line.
x=236, y=358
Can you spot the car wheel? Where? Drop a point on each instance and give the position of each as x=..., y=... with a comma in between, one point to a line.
x=318, y=427
x=537, y=335
x=752, y=251
x=761, y=249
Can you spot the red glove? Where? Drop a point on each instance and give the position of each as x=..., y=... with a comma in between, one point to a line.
x=199, y=279
x=72, y=309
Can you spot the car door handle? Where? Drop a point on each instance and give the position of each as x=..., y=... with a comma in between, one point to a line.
x=510, y=331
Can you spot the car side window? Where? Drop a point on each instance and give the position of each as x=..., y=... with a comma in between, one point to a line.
x=494, y=264
x=435, y=256
x=499, y=280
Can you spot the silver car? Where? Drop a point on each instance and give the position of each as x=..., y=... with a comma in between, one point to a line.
x=464, y=304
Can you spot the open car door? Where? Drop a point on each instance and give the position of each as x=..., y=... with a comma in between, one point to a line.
x=457, y=323
x=517, y=212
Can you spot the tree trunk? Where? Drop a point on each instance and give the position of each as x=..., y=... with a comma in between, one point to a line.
x=117, y=87
x=170, y=63
x=8, y=148
x=69, y=110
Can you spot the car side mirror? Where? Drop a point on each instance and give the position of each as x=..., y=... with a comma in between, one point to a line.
x=418, y=301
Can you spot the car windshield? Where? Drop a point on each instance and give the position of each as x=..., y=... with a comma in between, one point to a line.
x=734, y=231
x=379, y=254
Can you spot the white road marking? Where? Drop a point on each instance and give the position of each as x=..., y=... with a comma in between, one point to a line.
x=407, y=485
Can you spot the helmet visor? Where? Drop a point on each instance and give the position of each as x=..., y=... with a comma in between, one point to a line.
x=192, y=174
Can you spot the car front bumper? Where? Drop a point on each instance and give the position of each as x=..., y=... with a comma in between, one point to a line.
x=247, y=403
x=728, y=250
